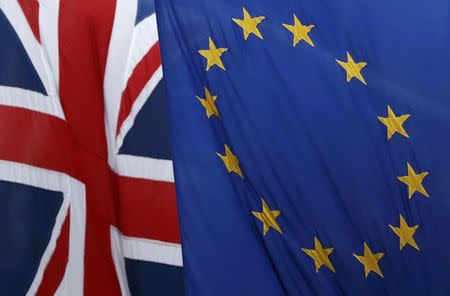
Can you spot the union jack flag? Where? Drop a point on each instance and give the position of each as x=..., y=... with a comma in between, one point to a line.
x=87, y=195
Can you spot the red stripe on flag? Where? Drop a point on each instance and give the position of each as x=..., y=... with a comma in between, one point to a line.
x=154, y=200
x=54, y=272
x=38, y=139
x=84, y=32
x=85, y=28
x=139, y=78
x=31, y=10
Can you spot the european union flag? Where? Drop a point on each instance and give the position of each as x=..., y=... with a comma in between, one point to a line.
x=311, y=144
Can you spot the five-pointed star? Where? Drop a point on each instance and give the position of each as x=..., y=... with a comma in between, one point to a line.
x=299, y=31
x=320, y=255
x=405, y=233
x=414, y=181
x=231, y=161
x=370, y=261
x=249, y=25
x=209, y=103
x=353, y=69
x=268, y=217
x=394, y=123
x=212, y=55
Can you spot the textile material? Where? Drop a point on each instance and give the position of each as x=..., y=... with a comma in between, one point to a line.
x=87, y=194
x=310, y=144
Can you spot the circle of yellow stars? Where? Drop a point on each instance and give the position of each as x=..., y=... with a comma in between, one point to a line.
x=394, y=125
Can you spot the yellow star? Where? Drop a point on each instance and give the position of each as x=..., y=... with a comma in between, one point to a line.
x=320, y=255
x=370, y=261
x=212, y=55
x=414, y=181
x=231, y=161
x=405, y=233
x=394, y=123
x=353, y=69
x=268, y=217
x=249, y=25
x=299, y=31
x=209, y=103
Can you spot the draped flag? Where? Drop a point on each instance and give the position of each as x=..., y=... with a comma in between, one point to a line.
x=311, y=144
x=87, y=195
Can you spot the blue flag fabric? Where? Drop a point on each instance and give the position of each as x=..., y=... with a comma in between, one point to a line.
x=311, y=144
